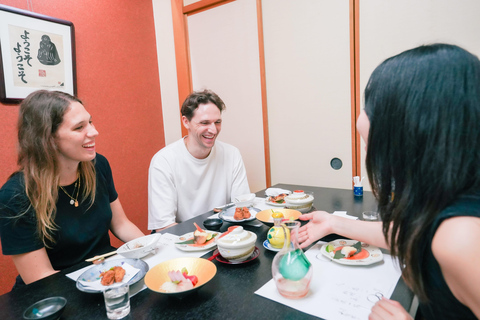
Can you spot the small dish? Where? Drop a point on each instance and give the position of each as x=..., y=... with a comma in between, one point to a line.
x=227, y=215
x=196, y=247
x=266, y=215
x=140, y=247
x=46, y=309
x=93, y=273
x=268, y=246
x=202, y=268
x=253, y=256
x=213, y=224
x=374, y=253
x=245, y=200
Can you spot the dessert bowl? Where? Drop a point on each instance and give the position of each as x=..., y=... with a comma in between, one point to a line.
x=236, y=244
x=299, y=200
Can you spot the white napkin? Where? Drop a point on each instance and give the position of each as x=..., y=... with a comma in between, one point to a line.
x=272, y=192
x=130, y=272
x=344, y=215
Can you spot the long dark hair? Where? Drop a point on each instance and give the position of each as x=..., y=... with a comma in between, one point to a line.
x=423, y=144
x=40, y=115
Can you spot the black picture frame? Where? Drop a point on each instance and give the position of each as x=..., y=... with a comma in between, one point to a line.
x=36, y=52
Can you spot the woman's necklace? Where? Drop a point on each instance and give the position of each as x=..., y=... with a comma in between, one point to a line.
x=73, y=201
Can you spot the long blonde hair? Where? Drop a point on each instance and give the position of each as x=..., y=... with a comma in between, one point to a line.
x=40, y=116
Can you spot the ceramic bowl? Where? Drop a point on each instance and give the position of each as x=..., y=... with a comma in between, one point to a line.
x=266, y=215
x=213, y=224
x=245, y=200
x=46, y=309
x=204, y=269
x=140, y=247
x=300, y=200
x=236, y=244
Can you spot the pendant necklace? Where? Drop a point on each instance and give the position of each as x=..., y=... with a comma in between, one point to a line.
x=73, y=201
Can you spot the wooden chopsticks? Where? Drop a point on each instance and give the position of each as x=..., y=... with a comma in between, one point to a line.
x=101, y=256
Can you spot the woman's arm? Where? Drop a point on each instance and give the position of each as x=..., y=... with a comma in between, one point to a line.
x=121, y=226
x=322, y=224
x=34, y=265
x=455, y=246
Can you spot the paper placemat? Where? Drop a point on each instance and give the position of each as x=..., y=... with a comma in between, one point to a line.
x=340, y=292
x=344, y=214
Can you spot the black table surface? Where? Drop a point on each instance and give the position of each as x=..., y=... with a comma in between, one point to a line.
x=229, y=295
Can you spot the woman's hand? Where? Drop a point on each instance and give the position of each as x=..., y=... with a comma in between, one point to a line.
x=387, y=309
x=317, y=228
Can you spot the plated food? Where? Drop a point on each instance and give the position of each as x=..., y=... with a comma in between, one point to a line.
x=93, y=274
x=351, y=252
x=203, y=269
x=112, y=275
x=179, y=281
x=198, y=240
x=229, y=214
x=278, y=200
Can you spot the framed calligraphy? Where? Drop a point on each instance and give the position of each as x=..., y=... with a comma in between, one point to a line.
x=36, y=52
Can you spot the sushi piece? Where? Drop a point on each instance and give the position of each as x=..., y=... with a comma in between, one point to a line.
x=348, y=251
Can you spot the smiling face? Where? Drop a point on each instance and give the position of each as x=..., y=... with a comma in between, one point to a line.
x=203, y=129
x=75, y=137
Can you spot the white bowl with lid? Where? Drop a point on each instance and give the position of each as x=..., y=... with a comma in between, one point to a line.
x=300, y=200
x=236, y=244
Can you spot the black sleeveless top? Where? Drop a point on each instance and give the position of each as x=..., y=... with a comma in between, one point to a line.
x=442, y=303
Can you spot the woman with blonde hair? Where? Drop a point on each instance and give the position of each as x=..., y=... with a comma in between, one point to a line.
x=57, y=209
x=421, y=127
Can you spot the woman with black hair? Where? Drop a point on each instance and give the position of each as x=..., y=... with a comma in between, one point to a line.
x=421, y=125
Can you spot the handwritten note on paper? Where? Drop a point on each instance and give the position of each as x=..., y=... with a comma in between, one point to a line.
x=341, y=292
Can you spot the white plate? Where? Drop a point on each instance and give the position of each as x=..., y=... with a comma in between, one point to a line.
x=227, y=215
x=140, y=247
x=93, y=273
x=189, y=247
x=275, y=204
x=268, y=246
x=375, y=254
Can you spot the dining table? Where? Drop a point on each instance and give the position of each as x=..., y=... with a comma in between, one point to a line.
x=230, y=294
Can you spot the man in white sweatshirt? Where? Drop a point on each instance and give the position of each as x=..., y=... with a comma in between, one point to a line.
x=196, y=173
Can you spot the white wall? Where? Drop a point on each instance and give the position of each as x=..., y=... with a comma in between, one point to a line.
x=307, y=58
x=225, y=58
x=162, y=10
x=390, y=27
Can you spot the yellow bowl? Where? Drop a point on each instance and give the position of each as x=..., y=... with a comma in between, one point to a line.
x=266, y=215
x=204, y=270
